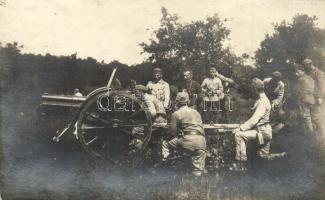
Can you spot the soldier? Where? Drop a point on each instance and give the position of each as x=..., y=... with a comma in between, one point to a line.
x=274, y=90
x=77, y=93
x=156, y=110
x=257, y=127
x=305, y=88
x=213, y=92
x=187, y=129
x=192, y=87
x=159, y=87
x=155, y=107
x=317, y=112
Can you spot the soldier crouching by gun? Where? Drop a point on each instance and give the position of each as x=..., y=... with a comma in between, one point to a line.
x=187, y=129
x=257, y=127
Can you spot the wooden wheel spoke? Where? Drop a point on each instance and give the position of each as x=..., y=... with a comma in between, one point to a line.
x=90, y=128
x=135, y=125
x=97, y=118
x=92, y=140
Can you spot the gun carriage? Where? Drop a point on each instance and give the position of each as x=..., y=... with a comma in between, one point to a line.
x=107, y=121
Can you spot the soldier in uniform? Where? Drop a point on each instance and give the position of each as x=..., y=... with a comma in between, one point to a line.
x=159, y=87
x=256, y=127
x=156, y=110
x=213, y=92
x=192, y=87
x=274, y=90
x=151, y=103
x=187, y=129
x=318, y=117
x=305, y=89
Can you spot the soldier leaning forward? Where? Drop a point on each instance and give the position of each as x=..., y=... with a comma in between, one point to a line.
x=274, y=90
x=256, y=127
x=187, y=129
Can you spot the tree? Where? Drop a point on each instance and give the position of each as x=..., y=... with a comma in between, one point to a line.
x=291, y=43
x=199, y=45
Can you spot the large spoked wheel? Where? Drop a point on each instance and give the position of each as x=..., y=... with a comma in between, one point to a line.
x=114, y=127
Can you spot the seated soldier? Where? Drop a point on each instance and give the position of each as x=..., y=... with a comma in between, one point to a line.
x=151, y=103
x=156, y=110
x=187, y=129
x=257, y=127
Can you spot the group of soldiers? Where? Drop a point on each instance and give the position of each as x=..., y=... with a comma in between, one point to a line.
x=186, y=126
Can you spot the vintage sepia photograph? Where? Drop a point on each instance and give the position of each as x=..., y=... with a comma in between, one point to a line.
x=162, y=99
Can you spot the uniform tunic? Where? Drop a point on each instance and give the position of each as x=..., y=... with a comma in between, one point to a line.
x=213, y=89
x=161, y=90
x=186, y=125
x=274, y=91
x=256, y=127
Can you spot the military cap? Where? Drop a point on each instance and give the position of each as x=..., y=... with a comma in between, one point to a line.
x=307, y=61
x=157, y=70
x=299, y=67
x=141, y=88
x=182, y=97
x=258, y=83
x=277, y=74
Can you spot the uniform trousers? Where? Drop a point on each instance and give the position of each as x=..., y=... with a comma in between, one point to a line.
x=192, y=144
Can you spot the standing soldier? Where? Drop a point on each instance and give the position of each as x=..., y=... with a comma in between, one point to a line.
x=274, y=90
x=192, y=87
x=256, y=127
x=318, y=115
x=306, y=99
x=187, y=129
x=159, y=87
x=213, y=92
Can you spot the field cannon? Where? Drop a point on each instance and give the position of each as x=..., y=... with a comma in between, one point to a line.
x=109, y=123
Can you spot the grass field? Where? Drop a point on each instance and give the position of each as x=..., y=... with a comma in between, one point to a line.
x=34, y=167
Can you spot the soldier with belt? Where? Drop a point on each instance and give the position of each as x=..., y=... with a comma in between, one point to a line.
x=305, y=89
x=187, y=129
x=318, y=117
x=256, y=127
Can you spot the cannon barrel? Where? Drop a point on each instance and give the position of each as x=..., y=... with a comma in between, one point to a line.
x=62, y=100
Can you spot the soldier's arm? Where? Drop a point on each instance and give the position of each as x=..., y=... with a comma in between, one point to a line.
x=220, y=87
x=276, y=102
x=173, y=125
x=167, y=95
x=320, y=93
x=204, y=86
x=159, y=107
x=251, y=122
x=222, y=77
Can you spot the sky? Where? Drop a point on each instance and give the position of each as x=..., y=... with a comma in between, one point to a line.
x=112, y=30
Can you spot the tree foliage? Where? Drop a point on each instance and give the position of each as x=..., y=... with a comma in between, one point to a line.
x=198, y=45
x=291, y=43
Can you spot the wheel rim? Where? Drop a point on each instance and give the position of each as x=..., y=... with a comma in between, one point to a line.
x=116, y=133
